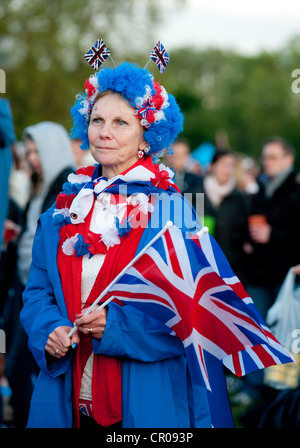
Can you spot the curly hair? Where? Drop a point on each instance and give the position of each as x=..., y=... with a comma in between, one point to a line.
x=157, y=110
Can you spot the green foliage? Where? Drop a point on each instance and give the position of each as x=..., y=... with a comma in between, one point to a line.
x=250, y=97
x=42, y=44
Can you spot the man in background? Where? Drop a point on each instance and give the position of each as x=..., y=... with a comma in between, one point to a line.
x=274, y=244
x=178, y=160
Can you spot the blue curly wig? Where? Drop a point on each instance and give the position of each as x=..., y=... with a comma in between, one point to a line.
x=158, y=111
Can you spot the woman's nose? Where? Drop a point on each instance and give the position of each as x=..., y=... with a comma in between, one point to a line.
x=105, y=130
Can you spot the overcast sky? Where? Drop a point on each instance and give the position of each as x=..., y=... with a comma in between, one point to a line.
x=246, y=27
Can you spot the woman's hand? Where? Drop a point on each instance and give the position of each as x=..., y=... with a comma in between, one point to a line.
x=93, y=323
x=59, y=342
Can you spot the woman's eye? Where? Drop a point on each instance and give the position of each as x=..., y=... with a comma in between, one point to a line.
x=96, y=120
x=121, y=122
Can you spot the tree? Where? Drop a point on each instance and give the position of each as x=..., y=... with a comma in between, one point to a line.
x=42, y=44
x=248, y=96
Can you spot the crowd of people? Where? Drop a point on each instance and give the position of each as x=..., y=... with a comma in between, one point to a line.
x=252, y=210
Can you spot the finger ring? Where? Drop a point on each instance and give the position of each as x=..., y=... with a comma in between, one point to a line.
x=90, y=330
x=56, y=351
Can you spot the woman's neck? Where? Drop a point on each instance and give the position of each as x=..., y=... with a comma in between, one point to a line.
x=110, y=171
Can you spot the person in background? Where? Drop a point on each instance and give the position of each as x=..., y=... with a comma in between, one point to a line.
x=225, y=208
x=50, y=158
x=18, y=195
x=82, y=158
x=49, y=154
x=247, y=172
x=272, y=247
x=7, y=139
x=274, y=224
x=177, y=159
x=20, y=179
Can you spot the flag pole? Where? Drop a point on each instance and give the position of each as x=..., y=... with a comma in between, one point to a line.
x=167, y=226
x=147, y=63
x=113, y=62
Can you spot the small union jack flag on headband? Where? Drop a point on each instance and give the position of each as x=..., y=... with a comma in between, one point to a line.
x=160, y=56
x=97, y=54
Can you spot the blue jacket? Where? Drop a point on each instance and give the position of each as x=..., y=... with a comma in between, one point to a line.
x=157, y=390
x=7, y=138
x=156, y=387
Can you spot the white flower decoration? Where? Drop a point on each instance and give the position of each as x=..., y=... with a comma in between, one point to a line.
x=78, y=178
x=142, y=201
x=111, y=237
x=62, y=211
x=68, y=246
x=163, y=167
x=85, y=108
x=159, y=115
x=108, y=202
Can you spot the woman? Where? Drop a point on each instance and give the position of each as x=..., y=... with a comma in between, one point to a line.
x=128, y=368
x=226, y=207
x=49, y=155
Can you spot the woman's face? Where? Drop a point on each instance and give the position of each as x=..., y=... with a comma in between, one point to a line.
x=223, y=169
x=115, y=134
x=32, y=156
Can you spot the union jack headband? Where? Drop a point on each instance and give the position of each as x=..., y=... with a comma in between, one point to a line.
x=99, y=53
x=157, y=110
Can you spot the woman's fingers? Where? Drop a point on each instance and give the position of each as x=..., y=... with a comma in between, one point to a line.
x=59, y=342
x=93, y=323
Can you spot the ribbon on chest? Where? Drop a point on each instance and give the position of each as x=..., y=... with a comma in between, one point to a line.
x=126, y=200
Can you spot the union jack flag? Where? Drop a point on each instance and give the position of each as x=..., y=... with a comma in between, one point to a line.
x=160, y=56
x=180, y=283
x=97, y=54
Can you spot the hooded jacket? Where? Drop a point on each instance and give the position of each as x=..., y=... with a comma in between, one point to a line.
x=57, y=160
